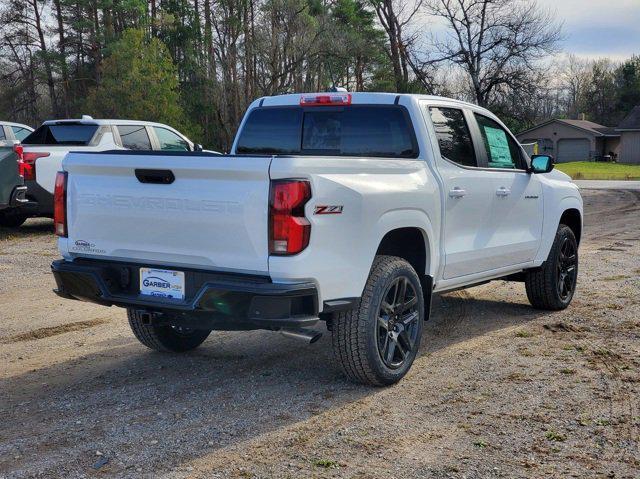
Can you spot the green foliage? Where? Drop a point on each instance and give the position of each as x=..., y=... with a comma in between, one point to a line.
x=139, y=81
x=627, y=84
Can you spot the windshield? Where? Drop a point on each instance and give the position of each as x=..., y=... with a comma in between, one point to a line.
x=63, y=134
x=356, y=130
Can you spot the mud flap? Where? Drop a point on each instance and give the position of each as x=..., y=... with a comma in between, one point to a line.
x=427, y=293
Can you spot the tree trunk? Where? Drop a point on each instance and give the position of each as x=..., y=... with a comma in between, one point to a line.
x=63, y=59
x=45, y=57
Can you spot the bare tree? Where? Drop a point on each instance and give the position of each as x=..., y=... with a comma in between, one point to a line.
x=497, y=42
x=575, y=78
x=395, y=16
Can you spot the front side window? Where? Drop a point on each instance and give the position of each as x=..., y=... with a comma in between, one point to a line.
x=134, y=137
x=169, y=141
x=2, y=135
x=20, y=133
x=502, y=150
x=62, y=134
x=454, y=137
x=356, y=130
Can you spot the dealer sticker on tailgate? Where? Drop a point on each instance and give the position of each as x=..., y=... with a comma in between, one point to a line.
x=162, y=283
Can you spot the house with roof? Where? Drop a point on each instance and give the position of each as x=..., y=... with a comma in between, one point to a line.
x=581, y=140
x=573, y=140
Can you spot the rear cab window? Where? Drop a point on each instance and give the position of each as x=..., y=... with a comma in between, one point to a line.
x=383, y=131
x=62, y=134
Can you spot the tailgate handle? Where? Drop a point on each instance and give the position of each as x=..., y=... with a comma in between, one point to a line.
x=159, y=177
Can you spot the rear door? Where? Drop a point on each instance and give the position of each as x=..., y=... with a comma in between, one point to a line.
x=9, y=177
x=212, y=215
x=467, y=193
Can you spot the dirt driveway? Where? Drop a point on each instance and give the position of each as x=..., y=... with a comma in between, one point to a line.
x=500, y=389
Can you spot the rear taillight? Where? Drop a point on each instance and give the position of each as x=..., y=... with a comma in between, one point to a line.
x=289, y=230
x=18, y=149
x=28, y=169
x=60, y=204
x=326, y=99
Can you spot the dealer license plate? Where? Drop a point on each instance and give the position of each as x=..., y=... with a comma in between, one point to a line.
x=162, y=283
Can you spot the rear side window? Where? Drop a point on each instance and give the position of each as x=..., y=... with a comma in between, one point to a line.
x=134, y=137
x=2, y=135
x=20, y=133
x=63, y=134
x=454, y=137
x=370, y=131
x=502, y=150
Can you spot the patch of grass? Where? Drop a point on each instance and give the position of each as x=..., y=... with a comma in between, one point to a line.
x=481, y=444
x=589, y=170
x=617, y=277
x=567, y=371
x=555, y=436
x=523, y=334
x=606, y=354
x=326, y=463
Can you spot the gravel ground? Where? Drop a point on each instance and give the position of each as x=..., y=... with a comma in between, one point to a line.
x=499, y=390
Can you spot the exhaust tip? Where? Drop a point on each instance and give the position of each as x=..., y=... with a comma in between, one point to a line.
x=308, y=335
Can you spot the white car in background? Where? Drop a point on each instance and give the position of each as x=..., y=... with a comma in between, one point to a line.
x=45, y=148
x=14, y=131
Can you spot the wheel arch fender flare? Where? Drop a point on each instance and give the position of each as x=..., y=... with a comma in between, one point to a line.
x=553, y=215
x=409, y=218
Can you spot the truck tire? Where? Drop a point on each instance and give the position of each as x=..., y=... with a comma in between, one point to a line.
x=551, y=286
x=11, y=218
x=376, y=342
x=165, y=338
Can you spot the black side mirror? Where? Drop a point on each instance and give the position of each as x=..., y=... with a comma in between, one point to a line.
x=197, y=147
x=541, y=164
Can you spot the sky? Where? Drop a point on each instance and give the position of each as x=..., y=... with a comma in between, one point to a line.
x=598, y=28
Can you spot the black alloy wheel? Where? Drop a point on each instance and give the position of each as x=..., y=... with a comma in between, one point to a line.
x=397, y=327
x=567, y=268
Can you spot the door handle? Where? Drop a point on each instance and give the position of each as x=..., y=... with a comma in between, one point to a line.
x=457, y=192
x=503, y=191
x=160, y=177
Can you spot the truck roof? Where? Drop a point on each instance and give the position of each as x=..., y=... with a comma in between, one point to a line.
x=358, y=98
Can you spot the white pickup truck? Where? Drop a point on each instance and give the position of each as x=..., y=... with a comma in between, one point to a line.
x=350, y=209
x=44, y=149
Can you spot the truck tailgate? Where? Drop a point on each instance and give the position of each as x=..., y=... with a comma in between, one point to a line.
x=213, y=215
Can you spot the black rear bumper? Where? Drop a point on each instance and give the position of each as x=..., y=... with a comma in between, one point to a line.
x=16, y=198
x=221, y=300
x=37, y=202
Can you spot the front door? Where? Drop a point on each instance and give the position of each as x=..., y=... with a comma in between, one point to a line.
x=514, y=228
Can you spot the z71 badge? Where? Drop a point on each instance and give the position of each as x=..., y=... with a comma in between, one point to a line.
x=328, y=210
